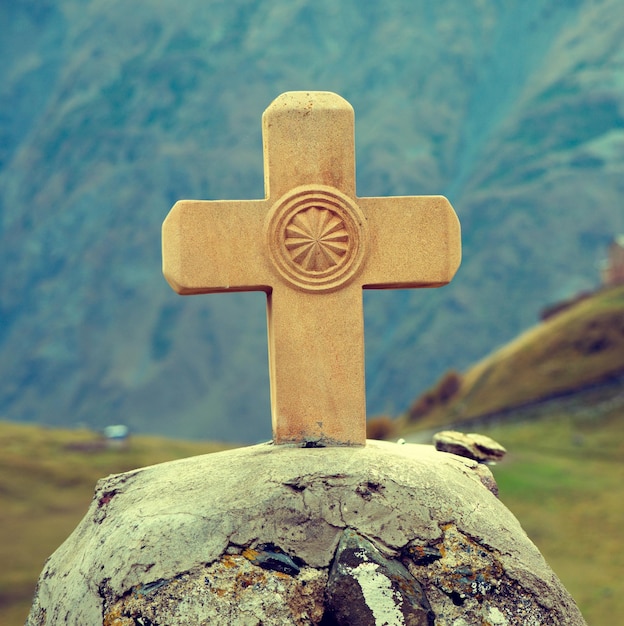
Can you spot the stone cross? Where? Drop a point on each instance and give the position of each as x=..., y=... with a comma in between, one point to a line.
x=312, y=245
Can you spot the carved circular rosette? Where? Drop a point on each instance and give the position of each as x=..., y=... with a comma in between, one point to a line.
x=317, y=237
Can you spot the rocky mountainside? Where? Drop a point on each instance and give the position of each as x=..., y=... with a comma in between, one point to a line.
x=111, y=111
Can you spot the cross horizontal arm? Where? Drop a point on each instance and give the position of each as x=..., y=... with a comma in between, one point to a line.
x=415, y=241
x=215, y=246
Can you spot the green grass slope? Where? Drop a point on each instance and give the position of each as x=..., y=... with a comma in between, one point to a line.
x=579, y=349
x=47, y=478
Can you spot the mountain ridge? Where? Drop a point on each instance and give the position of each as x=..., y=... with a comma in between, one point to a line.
x=111, y=112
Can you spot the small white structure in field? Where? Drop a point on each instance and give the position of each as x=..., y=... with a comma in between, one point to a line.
x=116, y=436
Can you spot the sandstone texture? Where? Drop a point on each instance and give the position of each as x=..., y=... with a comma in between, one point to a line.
x=312, y=245
x=277, y=535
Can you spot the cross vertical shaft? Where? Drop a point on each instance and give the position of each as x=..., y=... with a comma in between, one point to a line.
x=309, y=145
x=328, y=329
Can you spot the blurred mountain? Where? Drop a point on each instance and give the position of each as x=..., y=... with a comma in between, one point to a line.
x=110, y=111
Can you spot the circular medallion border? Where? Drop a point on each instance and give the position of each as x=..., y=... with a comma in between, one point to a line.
x=317, y=237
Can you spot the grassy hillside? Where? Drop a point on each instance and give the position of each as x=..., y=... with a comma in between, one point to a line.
x=47, y=477
x=563, y=478
x=581, y=347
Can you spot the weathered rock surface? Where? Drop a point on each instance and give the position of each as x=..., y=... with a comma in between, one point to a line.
x=229, y=591
x=250, y=536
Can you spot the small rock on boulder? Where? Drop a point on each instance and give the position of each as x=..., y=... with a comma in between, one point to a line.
x=472, y=446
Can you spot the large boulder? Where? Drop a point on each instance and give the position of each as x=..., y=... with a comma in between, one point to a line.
x=276, y=535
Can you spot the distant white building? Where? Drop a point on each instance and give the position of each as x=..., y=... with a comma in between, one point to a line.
x=117, y=435
x=613, y=267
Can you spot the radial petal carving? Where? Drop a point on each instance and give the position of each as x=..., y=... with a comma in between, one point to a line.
x=316, y=239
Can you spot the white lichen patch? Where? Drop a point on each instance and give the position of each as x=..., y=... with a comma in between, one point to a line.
x=496, y=618
x=380, y=597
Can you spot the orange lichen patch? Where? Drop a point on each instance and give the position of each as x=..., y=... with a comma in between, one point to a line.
x=217, y=593
x=465, y=568
x=246, y=580
x=250, y=554
x=114, y=617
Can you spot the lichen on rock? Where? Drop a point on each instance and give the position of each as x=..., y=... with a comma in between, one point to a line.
x=292, y=536
x=230, y=591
